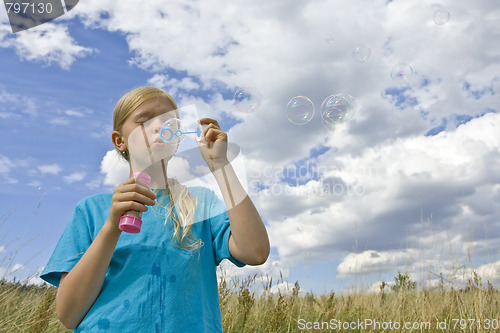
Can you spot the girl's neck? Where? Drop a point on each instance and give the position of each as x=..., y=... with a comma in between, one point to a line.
x=158, y=174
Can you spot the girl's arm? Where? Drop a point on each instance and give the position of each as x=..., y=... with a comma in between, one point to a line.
x=248, y=241
x=79, y=288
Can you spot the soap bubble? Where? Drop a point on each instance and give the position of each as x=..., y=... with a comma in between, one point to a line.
x=361, y=53
x=247, y=99
x=323, y=187
x=331, y=125
x=337, y=109
x=300, y=110
x=441, y=16
x=329, y=39
x=402, y=73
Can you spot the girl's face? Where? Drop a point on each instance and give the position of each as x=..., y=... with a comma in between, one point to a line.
x=141, y=133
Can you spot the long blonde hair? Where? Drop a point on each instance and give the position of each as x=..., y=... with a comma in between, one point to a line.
x=181, y=204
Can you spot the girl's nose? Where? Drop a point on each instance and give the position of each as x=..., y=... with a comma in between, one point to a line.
x=156, y=126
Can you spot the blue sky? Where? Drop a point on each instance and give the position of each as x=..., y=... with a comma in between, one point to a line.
x=416, y=186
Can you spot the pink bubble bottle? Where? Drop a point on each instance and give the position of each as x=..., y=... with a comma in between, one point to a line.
x=131, y=221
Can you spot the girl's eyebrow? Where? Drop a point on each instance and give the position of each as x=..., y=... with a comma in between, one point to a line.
x=142, y=114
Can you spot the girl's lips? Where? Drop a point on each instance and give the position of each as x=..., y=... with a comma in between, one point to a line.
x=158, y=140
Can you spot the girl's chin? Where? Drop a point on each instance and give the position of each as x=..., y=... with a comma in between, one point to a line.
x=148, y=163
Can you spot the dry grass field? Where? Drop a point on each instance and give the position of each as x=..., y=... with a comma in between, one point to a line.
x=471, y=309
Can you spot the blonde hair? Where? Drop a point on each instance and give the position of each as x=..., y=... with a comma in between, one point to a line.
x=181, y=203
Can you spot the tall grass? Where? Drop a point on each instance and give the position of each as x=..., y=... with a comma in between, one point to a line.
x=32, y=308
x=243, y=311
x=28, y=309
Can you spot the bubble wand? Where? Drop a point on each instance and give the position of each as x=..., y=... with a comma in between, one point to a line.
x=167, y=133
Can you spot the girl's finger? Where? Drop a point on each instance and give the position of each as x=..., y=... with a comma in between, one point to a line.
x=206, y=121
x=137, y=197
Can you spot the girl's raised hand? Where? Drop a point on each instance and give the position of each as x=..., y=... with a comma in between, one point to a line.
x=213, y=144
x=132, y=194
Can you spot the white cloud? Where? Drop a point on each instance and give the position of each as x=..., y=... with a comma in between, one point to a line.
x=448, y=178
x=271, y=276
x=48, y=44
x=369, y=261
x=35, y=279
x=115, y=169
x=75, y=113
x=174, y=85
x=51, y=169
x=285, y=288
x=74, y=177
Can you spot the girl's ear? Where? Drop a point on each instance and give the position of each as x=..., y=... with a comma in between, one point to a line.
x=118, y=141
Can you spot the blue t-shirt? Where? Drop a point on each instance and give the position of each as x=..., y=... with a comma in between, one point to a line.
x=152, y=285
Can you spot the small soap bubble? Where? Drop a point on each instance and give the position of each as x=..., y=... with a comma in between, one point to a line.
x=441, y=16
x=337, y=109
x=300, y=110
x=323, y=187
x=247, y=99
x=361, y=53
x=402, y=73
x=329, y=39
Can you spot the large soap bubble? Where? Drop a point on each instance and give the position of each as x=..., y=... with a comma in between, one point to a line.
x=441, y=16
x=300, y=110
x=337, y=109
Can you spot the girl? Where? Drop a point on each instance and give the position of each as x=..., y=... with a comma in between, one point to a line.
x=162, y=279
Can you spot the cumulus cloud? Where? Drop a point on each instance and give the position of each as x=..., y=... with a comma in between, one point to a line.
x=369, y=261
x=115, y=168
x=48, y=44
x=431, y=193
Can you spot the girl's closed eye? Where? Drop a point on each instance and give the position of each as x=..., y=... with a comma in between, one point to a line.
x=142, y=118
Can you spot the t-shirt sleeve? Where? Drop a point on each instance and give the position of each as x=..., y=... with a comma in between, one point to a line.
x=219, y=224
x=73, y=243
